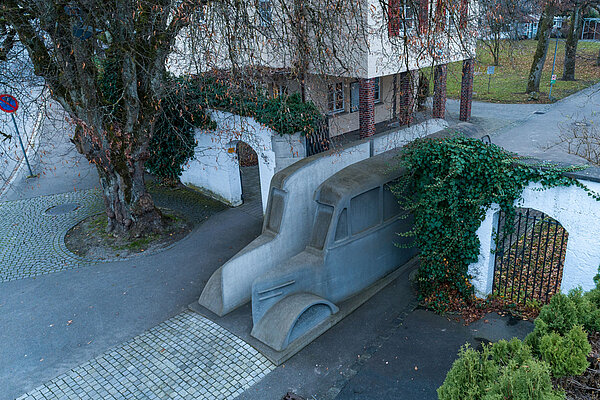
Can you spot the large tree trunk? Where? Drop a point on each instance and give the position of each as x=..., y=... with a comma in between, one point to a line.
x=119, y=159
x=571, y=44
x=539, y=58
x=129, y=207
x=598, y=59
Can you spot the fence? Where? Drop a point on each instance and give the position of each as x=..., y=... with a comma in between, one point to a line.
x=590, y=29
x=529, y=258
x=318, y=141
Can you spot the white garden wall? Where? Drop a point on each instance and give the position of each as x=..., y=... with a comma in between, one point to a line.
x=576, y=211
x=215, y=168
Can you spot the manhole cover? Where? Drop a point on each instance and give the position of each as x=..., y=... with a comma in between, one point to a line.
x=539, y=112
x=62, y=209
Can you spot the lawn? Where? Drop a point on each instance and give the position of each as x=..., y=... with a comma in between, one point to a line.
x=509, y=81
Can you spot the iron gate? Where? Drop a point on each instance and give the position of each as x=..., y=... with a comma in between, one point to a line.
x=318, y=141
x=529, y=258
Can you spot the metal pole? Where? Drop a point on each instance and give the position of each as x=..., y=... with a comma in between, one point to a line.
x=553, y=64
x=21, y=142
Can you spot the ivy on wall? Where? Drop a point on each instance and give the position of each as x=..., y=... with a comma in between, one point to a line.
x=450, y=183
x=285, y=114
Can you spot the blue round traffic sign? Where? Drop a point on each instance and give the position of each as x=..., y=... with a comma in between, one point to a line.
x=8, y=103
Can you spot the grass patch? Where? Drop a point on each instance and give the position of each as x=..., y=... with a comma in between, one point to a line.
x=509, y=80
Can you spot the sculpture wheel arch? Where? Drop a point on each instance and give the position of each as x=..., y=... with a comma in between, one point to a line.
x=529, y=259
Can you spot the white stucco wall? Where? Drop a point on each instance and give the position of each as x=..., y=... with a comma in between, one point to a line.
x=215, y=167
x=576, y=211
x=400, y=137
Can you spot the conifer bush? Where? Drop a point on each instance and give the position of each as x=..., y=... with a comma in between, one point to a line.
x=471, y=374
x=566, y=355
x=528, y=381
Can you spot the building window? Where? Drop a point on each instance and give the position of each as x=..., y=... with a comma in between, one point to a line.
x=341, y=232
x=451, y=14
x=354, y=96
x=377, y=90
x=335, y=97
x=202, y=13
x=401, y=18
x=265, y=13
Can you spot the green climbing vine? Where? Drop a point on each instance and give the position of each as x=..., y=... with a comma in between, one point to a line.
x=449, y=184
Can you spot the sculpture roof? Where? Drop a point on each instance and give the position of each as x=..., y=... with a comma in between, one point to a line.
x=358, y=178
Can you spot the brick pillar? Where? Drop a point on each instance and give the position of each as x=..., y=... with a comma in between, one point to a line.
x=423, y=16
x=439, y=91
x=407, y=97
x=366, y=107
x=466, y=90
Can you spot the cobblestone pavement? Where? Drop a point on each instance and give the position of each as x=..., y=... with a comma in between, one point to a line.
x=32, y=233
x=185, y=357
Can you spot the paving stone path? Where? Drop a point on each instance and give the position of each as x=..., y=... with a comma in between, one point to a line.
x=185, y=357
x=32, y=233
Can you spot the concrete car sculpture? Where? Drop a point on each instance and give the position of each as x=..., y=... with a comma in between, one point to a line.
x=352, y=246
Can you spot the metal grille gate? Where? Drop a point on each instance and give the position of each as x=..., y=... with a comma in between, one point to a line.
x=318, y=141
x=529, y=260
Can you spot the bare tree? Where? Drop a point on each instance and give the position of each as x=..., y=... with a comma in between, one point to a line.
x=539, y=58
x=69, y=45
x=573, y=36
x=496, y=18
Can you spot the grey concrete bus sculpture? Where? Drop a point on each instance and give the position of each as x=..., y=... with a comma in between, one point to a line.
x=352, y=245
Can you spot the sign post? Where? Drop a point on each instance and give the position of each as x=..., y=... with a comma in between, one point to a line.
x=490, y=72
x=553, y=80
x=9, y=104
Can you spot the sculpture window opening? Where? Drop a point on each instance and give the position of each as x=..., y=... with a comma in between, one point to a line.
x=341, y=232
x=364, y=211
x=265, y=13
x=391, y=207
x=321, y=226
x=276, y=212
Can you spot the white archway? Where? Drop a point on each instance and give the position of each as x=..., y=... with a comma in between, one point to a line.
x=215, y=168
x=576, y=211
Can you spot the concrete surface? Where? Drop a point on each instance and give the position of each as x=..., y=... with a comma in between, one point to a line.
x=231, y=285
x=342, y=258
x=413, y=362
x=107, y=303
x=518, y=128
x=60, y=167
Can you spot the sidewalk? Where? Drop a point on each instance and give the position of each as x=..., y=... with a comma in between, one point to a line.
x=534, y=130
x=60, y=167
